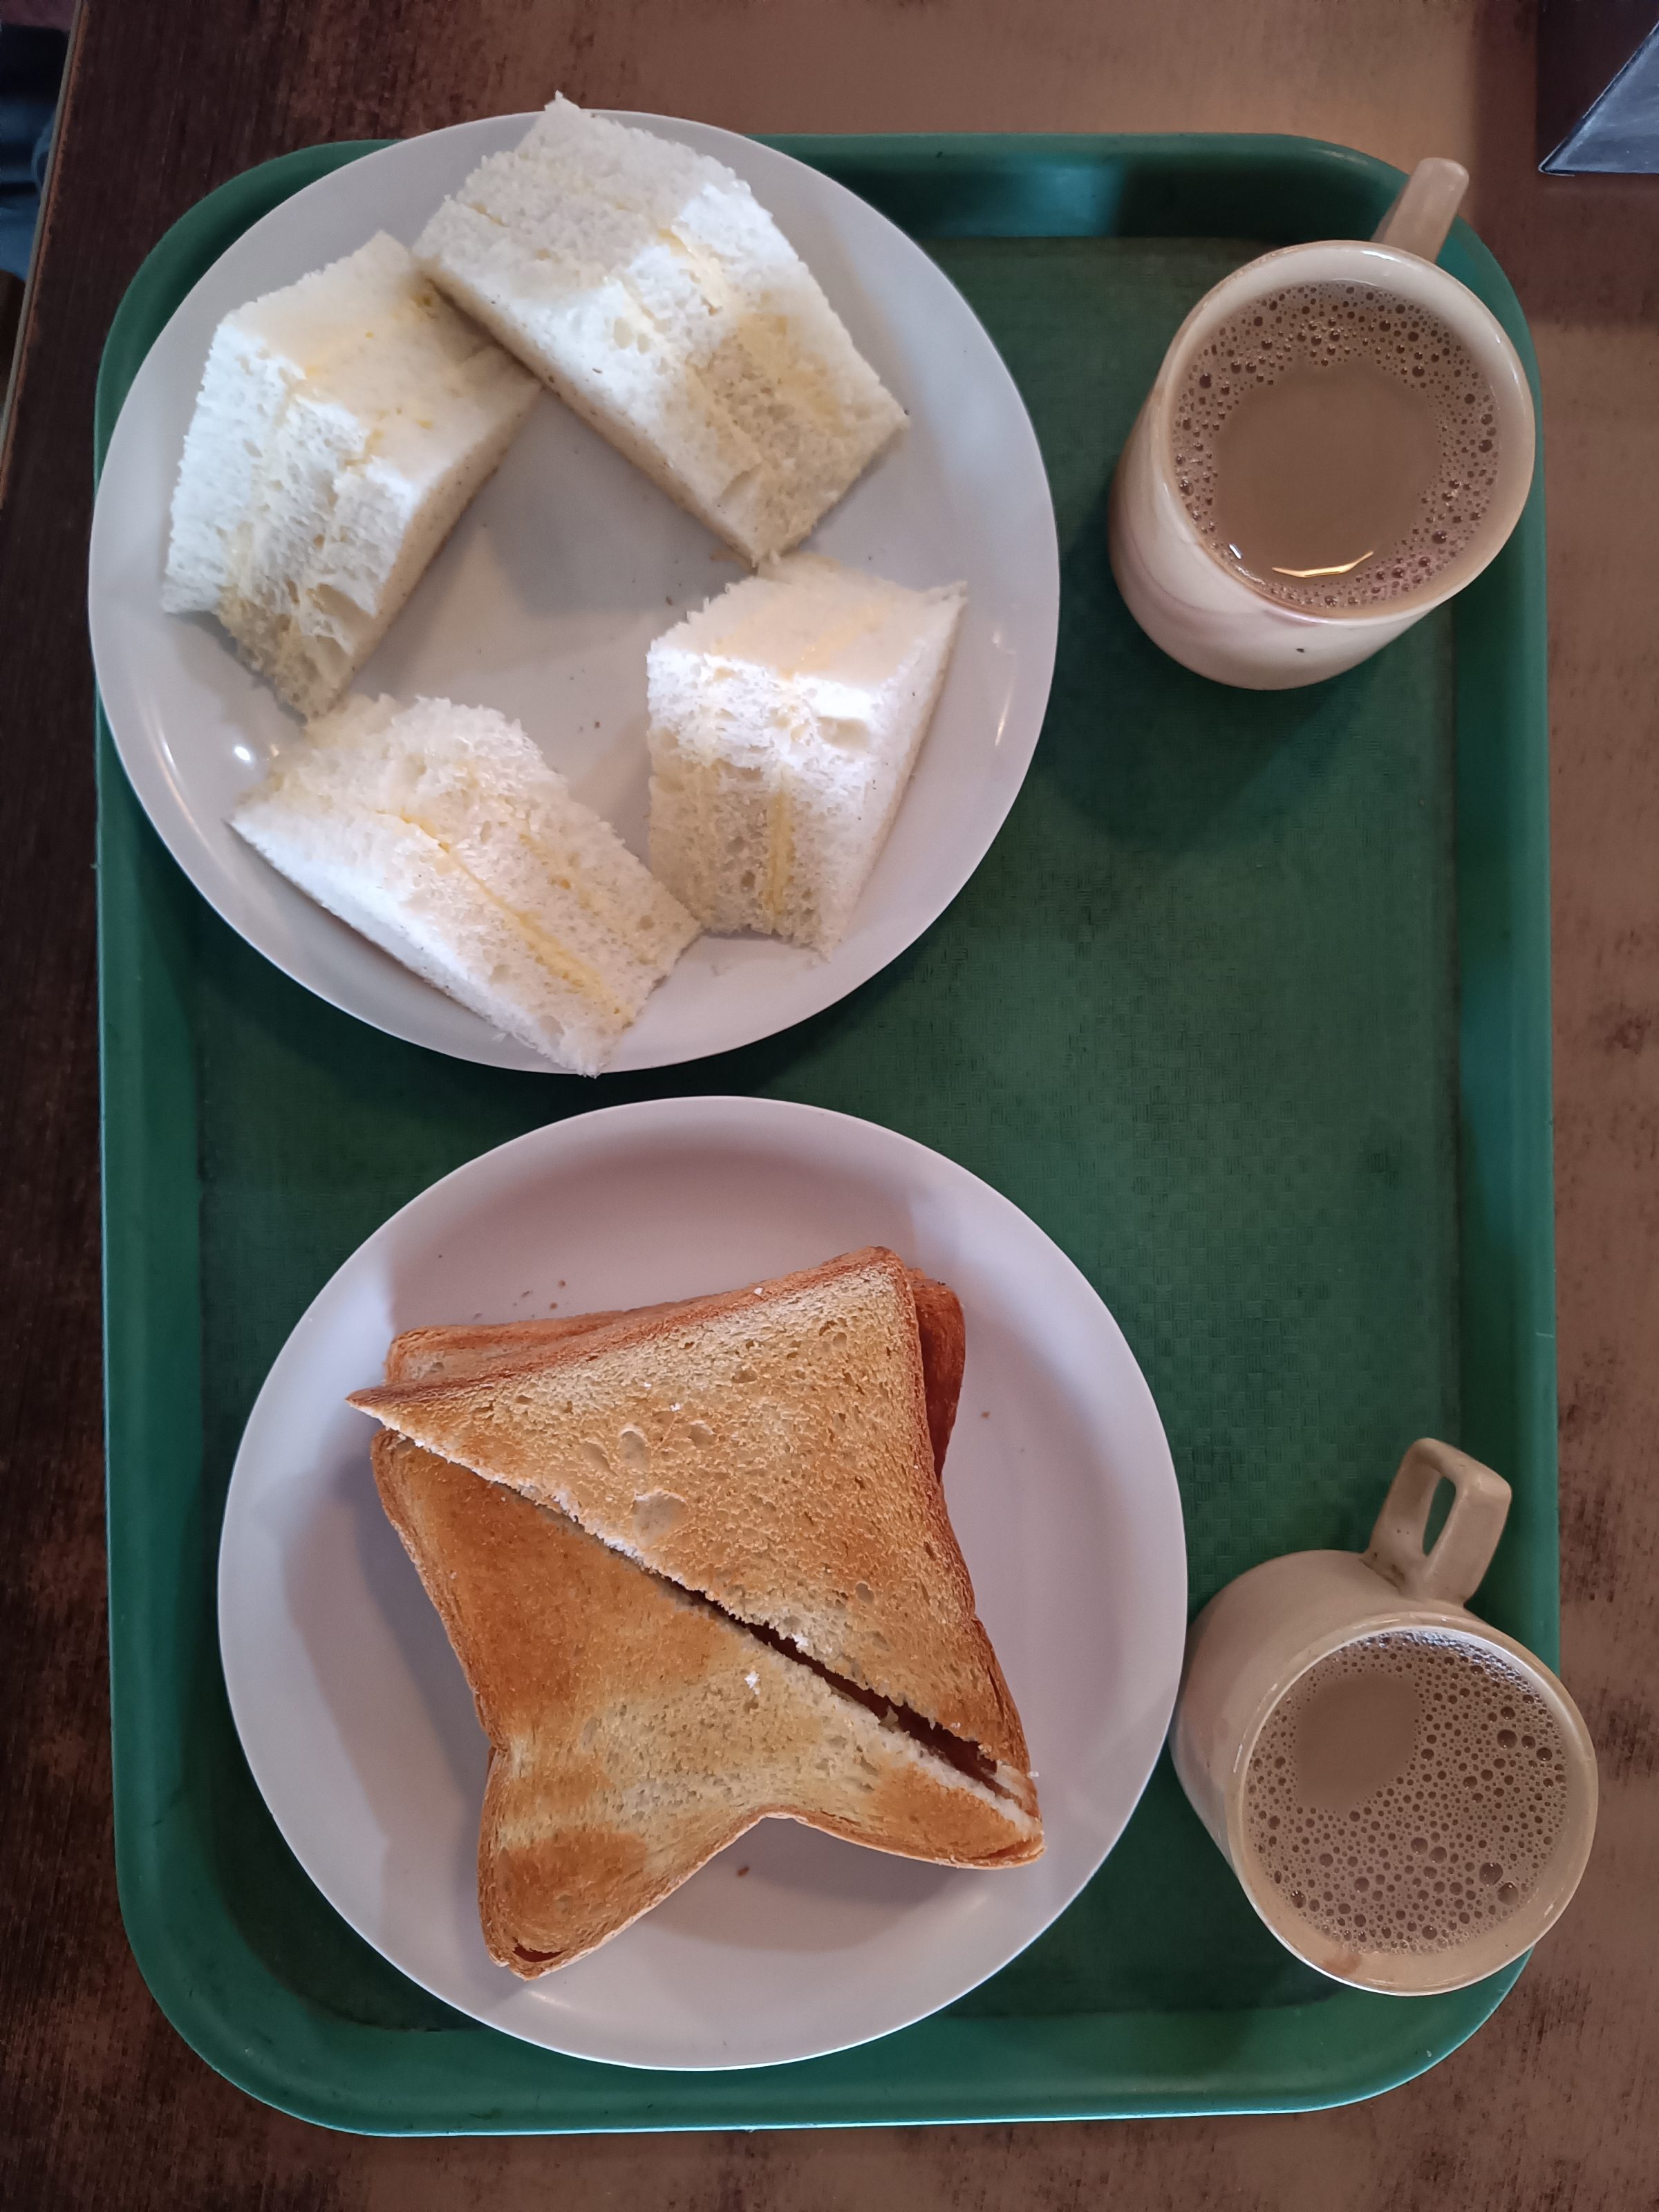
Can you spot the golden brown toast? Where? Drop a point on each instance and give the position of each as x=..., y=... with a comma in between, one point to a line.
x=422, y=1354
x=766, y=1449
x=634, y=1730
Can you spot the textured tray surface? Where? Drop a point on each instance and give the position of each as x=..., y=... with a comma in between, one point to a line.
x=1247, y=1008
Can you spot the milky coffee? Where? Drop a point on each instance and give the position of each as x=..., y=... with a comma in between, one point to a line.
x=1335, y=445
x=1407, y=1793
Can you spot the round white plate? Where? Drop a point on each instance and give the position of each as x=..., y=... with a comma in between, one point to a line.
x=357, y=1722
x=557, y=578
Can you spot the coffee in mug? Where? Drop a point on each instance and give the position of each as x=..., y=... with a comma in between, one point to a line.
x=1341, y=437
x=1406, y=1794
x=1336, y=446
x=1409, y=1792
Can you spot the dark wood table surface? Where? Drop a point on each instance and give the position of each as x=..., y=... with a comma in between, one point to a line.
x=1553, y=2105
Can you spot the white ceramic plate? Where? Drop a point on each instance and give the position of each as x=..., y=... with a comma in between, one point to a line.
x=557, y=578
x=356, y=1720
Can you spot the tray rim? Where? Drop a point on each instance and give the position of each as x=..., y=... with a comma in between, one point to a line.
x=346, y=2075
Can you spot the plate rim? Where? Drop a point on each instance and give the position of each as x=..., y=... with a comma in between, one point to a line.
x=721, y=1115
x=150, y=781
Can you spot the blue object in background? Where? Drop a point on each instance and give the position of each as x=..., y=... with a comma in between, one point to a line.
x=31, y=69
x=1598, y=87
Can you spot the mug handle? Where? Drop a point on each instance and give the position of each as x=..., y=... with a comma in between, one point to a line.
x=1423, y=208
x=1463, y=1550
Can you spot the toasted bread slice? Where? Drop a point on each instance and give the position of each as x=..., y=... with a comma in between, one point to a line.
x=424, y=1355
x=768, y=1450
x=634, y=1730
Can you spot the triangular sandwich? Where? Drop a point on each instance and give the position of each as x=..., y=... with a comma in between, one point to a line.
x=659, y=298
x=342, y=424
x=766, y=1449
x=440, y=833
x=431, y=1354
x=636, y=1730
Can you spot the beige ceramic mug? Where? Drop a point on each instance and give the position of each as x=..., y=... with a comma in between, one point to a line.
x=1202, y=611
x=1251, y=1650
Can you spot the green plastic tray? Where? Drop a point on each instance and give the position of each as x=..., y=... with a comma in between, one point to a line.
x=1248, y=1007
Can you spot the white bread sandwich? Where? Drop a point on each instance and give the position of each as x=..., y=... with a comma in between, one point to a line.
x=636, y=1730
x=786, y=718
x=767, y=1449
x=441, y=834
x=341, y=426
x=655, y=294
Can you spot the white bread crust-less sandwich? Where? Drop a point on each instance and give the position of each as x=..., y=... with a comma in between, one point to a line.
x=659, y=298
x=341, y=426
x=441, y=834
x=786, y=718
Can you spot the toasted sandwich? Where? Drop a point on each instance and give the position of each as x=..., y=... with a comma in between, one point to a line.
x=634, y=1729
x=453, y=1349
x=766, y=1449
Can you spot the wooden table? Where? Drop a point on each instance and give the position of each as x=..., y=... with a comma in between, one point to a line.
x=1546, y=2108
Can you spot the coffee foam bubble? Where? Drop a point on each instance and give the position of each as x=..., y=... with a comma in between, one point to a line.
x=1446, y=1848
x=1320, y=324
